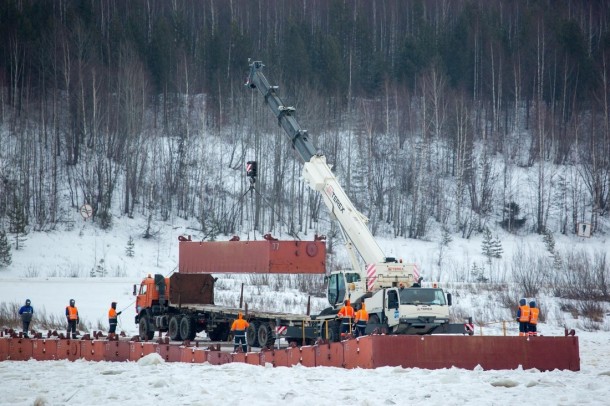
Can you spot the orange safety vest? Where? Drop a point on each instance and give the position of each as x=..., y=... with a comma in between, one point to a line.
x=72, y=312
x=347, y=311
x=239, y=325
x=112, y=313
x=534, y=312
x=525, y=314
x=362, y=315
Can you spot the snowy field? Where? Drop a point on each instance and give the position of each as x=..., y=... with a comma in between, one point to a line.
x=152, y=381
x=55, y=267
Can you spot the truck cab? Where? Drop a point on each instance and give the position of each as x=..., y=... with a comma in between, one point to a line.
x=410, y=310
x=151, y=293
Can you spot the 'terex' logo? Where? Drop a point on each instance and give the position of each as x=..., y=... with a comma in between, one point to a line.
x=331, y=193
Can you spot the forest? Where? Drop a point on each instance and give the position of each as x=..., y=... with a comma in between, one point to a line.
x=462, y=116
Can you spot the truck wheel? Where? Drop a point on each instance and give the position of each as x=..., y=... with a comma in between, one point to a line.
x=146, y=331
x=334, y=331
x=252, y=334
x=333, y=334
x=174, y=329
x=265, y=335
x=187, y=328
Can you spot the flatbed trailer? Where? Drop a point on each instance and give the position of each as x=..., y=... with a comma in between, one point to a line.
x=183, y=305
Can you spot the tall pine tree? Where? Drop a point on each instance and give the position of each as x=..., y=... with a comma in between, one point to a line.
x=5, y=250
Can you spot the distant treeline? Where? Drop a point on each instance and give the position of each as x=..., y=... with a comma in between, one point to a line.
x=426, y=109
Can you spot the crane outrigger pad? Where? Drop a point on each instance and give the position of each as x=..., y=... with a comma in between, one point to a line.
x=269, y=256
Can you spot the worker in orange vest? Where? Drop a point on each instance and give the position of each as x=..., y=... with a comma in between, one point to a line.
x=72, y=318
x=532, y=329
x=523, y=317
x=362, y=318
x=112, y=319
x=346, y=314
x=238, y=328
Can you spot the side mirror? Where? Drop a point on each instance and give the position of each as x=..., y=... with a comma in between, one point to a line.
x=448, y=299
x=134, y=289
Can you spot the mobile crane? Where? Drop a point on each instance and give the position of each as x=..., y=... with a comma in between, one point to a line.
x=385, y=284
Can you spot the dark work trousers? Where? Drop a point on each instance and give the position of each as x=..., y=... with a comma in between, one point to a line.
x=360, y=328
x=113, y=323
x=72, y=328
x=239, y=337
x=346, y=325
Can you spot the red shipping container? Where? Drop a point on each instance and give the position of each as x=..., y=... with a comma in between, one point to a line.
x=266, y=256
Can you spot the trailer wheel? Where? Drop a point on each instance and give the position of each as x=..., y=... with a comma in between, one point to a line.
x=146, y=331
x=265, y=335
x=187, y=328
x=252, y=333
x=174, y=329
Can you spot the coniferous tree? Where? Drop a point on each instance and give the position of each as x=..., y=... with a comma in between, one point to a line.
x=130, y=245
x=5, y=250
x=496, y=248
x=487, y=245
x=18, y=222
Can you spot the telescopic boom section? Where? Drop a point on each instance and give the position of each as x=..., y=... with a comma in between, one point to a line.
x=319, y=176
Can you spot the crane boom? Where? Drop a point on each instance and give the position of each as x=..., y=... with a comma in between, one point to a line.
x=318, y=174
x=379, y=271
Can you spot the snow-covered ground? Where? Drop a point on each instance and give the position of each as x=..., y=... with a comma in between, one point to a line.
x=57, y=266
x=152, y=381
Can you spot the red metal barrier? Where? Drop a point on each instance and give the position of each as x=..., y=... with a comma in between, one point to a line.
x=434, y=352
x=430, y=352
x=193, y=355
x=116, y=350
x=253, y=358
x=174, y=353
x=92, y=350
x=68, y=349
x=268, y=357
x=285, y=357
x=138, y=349
x=44, y=350
x=19, y=349
x=3, y=349
x=330, y=355
x=163, y=351
x=219, y=357
x=307, y=355
x=238, y=357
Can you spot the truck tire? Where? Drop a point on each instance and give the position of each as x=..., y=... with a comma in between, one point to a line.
x=252, y=333
x=145, y=329
x=381, y=328
x=331, y=330
x=265, y=335
x=187, y=328
x=334, y=331
x=174, y=329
